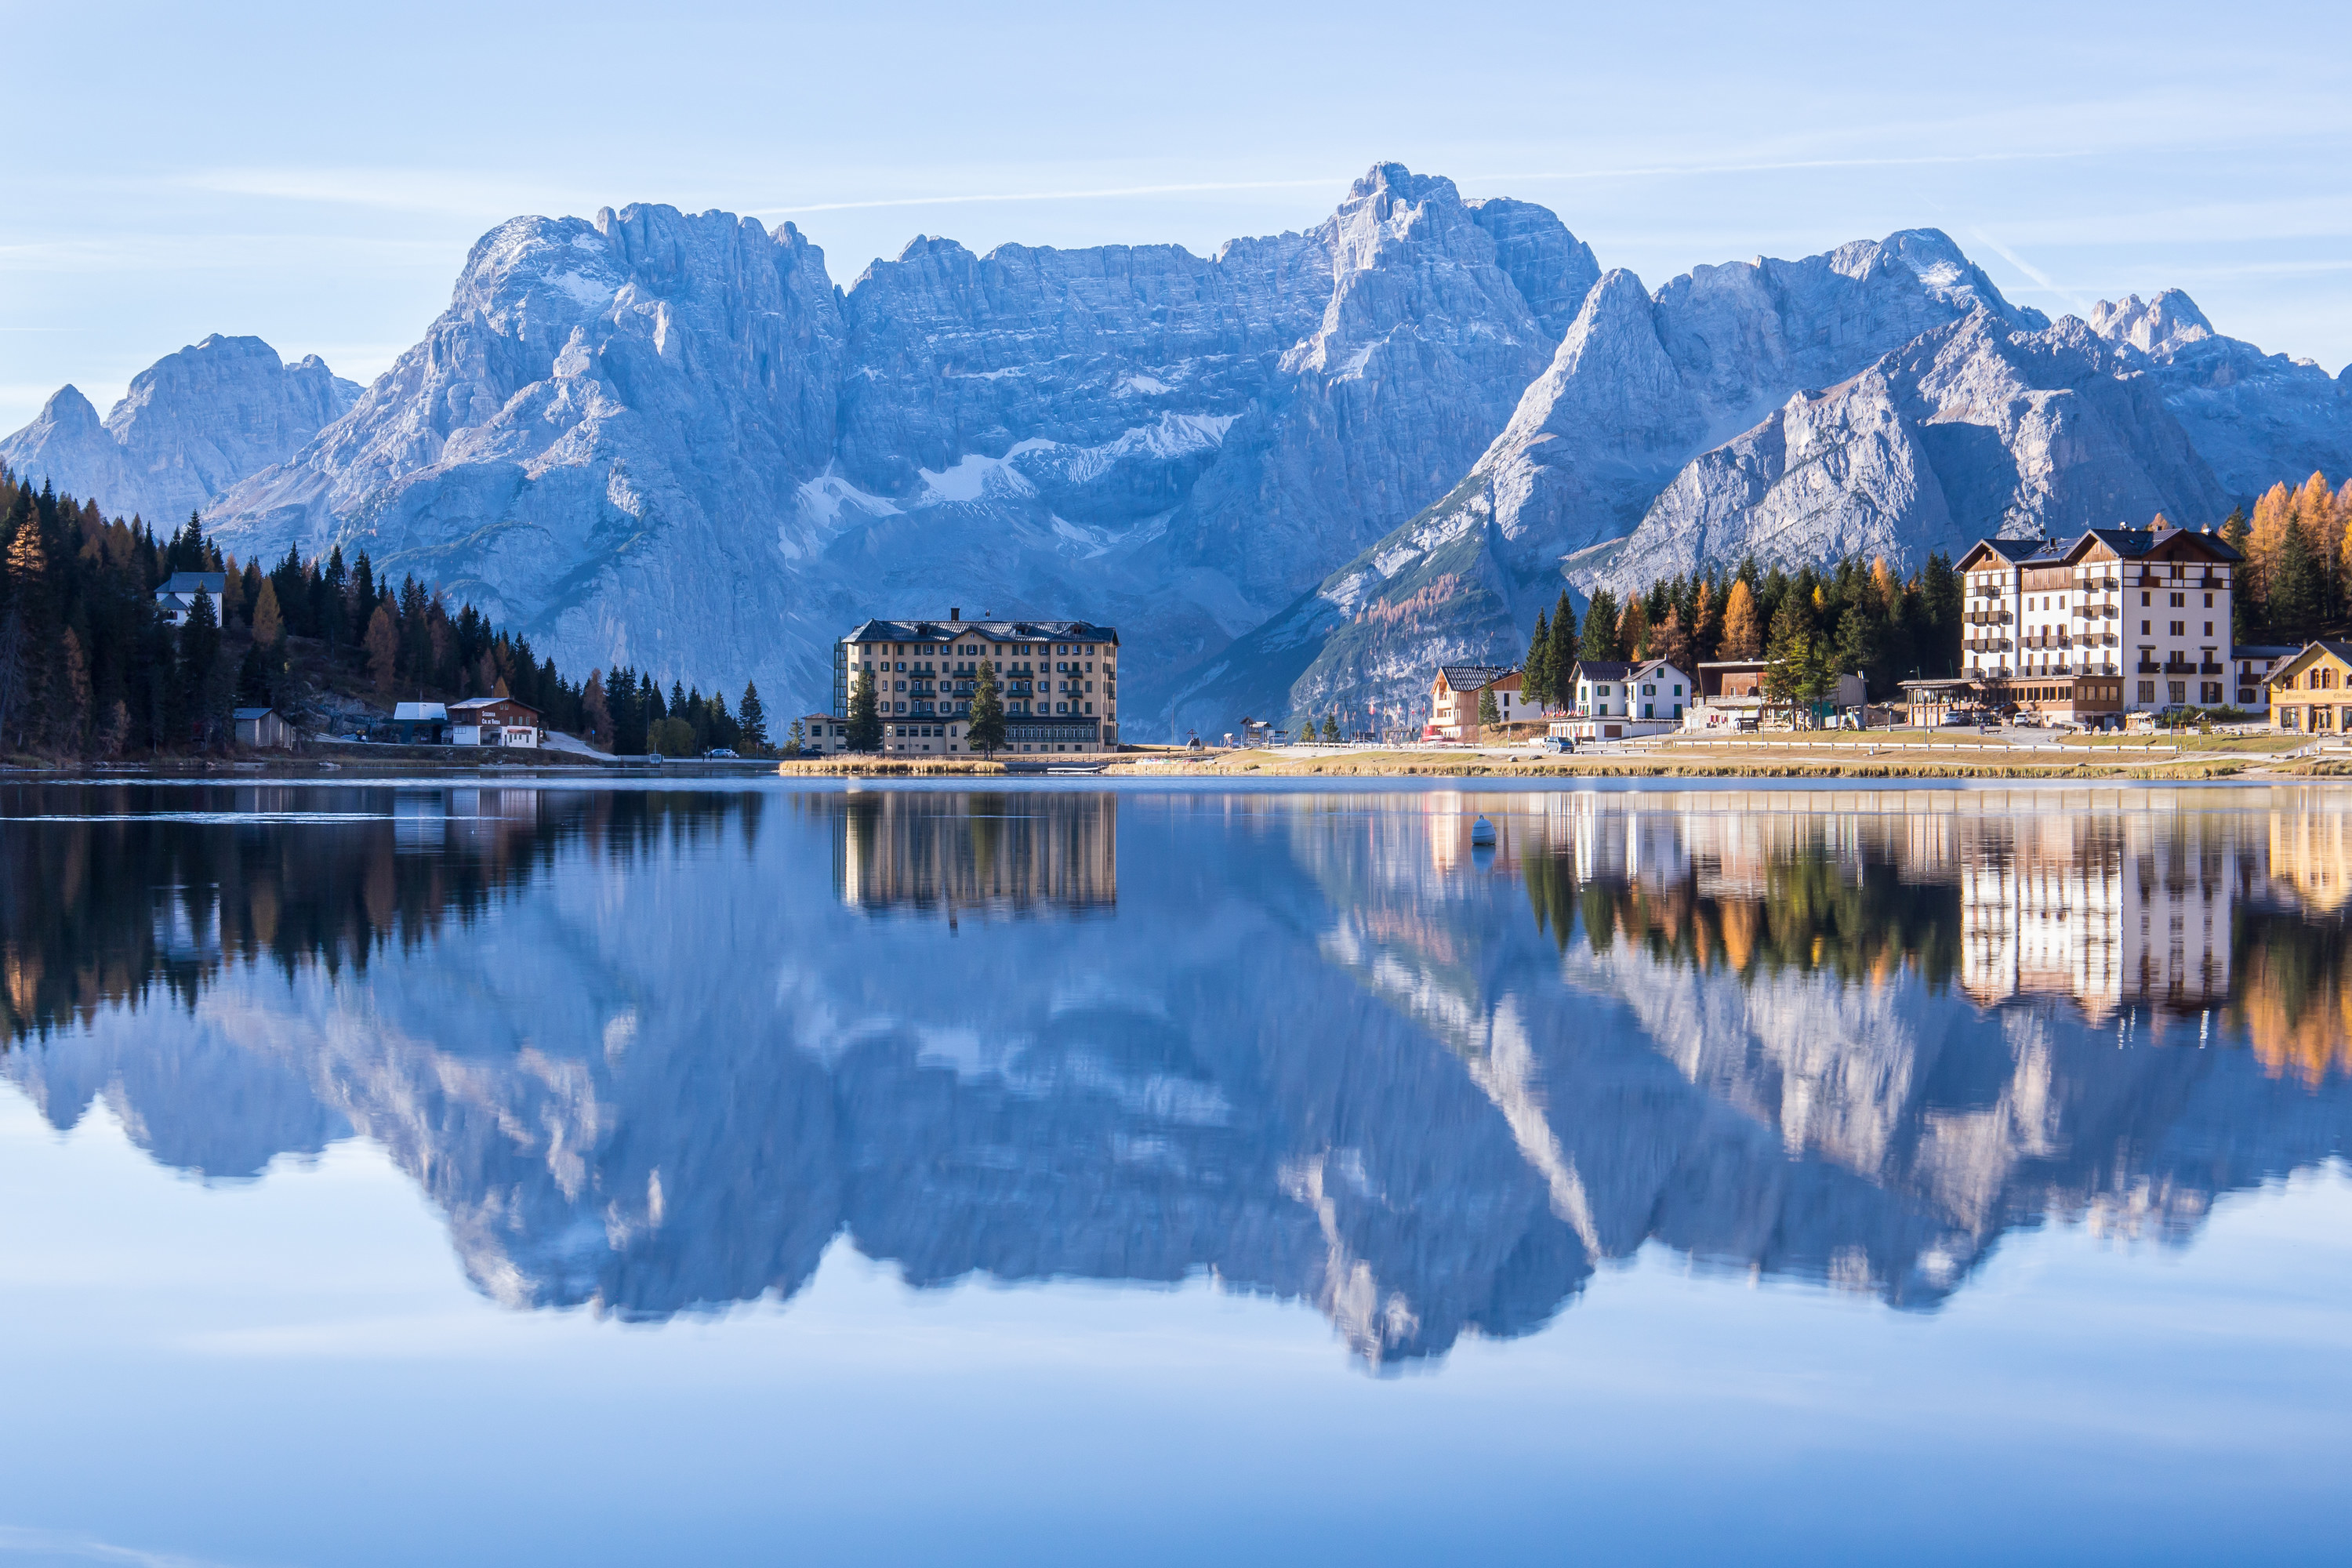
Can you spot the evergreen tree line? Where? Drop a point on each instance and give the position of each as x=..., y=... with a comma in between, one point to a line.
x=1813, y=625
x=89, y=666
x=639, y=721
x=2297, y=580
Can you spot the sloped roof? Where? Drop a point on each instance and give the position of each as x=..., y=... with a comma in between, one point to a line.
x=1601, y=670
x=213, y=582
x=994, y=631
x=1475, y=677
x=242, y=714
x=2342, y=650
x=417, y=712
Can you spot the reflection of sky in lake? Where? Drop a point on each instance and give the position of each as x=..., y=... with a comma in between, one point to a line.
x=1771, y=1175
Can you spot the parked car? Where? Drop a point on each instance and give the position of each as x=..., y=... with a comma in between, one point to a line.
x=719, y=751
x=1558, y=743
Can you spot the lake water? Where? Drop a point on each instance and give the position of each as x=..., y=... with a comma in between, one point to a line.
x=1155, y=1175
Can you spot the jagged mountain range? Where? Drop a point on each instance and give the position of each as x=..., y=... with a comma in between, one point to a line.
x=1295, y=473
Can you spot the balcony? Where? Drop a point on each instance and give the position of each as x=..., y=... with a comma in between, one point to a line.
x=2150, y=666
x=2212, y=669
x=2181, y=666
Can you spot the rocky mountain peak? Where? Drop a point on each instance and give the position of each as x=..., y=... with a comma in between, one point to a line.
x=190, y=425
x=66, y=413
x=2169, y=322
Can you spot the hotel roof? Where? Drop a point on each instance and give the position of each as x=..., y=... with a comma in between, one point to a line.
x=947, y=631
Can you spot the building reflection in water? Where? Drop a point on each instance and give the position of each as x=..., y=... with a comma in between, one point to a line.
x=644, y=1055
x=2110, y=900
x=966, y=852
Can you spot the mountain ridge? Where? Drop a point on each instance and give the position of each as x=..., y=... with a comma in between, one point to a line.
x=1297, y=471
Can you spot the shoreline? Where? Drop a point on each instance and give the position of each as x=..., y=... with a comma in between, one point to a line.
x=2187, y=767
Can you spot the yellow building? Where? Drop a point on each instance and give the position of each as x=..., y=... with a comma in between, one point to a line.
x=2311, y=690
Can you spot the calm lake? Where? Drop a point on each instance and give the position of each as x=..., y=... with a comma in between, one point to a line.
x=1157, y=1174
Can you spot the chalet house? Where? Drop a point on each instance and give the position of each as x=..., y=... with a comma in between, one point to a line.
x=1454, y=699
x=495, y=722
x=262, y=729
x=2313, y=691
x=175, y=598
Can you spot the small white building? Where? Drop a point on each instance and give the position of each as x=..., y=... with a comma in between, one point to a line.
x=175, y=598
x=1617, y=688
x=1616, y=700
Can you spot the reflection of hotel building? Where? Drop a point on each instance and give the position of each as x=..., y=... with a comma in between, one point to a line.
x=1012, y=853
x=2109, y=911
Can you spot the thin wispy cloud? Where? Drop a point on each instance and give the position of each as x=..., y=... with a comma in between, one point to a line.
x=2042, y=279
x=52, y=1544
x=1781, y=165
x=1099, y=193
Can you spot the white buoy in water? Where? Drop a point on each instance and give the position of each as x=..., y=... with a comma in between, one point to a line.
x=1482, y=832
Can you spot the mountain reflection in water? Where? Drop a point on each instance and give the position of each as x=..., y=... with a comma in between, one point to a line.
x=655, y=1050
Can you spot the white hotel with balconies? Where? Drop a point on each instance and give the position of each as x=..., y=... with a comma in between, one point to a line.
x=2113, y=620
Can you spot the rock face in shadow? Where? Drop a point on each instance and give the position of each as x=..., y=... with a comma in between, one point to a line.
x=192, y=424
x=663, y=1070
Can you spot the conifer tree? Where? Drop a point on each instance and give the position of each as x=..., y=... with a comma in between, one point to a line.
x=1633, y=629
x=1331, y=729
x=1672, y=641
x=1563, y=641
x=795, y=739
x=1535, y=670
x=1743, y=628
x=268, y=625
x=1600, y=641
x=752, y=720
x=383, y=649
x=1490, y=713
x=866, y=716
x=984, y=730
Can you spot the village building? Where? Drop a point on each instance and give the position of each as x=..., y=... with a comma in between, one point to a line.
x=2311, y=691
x=823, y=732
x=2113, y=619
x=263, y=728
x=1730, y=694
x=1058, y=681
x=1454, y=700
x=177, y=597
x=420, y=724
x=495, y=722
x=1612, y=699
x=2255, y=664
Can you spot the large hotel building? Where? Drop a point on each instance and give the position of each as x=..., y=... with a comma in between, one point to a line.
x=2115, y=619
x=1058, y=680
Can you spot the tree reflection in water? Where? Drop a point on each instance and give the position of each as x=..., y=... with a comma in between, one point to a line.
x=651, y=1051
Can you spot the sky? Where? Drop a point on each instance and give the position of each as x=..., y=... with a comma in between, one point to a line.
x=314, y=175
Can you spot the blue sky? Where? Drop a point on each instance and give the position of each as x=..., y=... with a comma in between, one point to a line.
x=315, y=175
